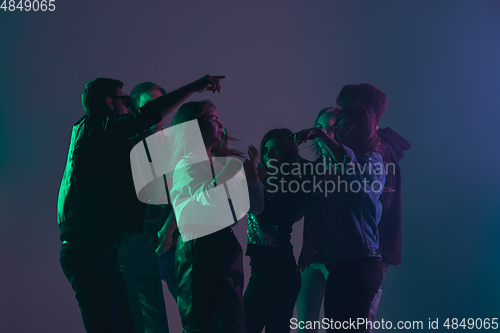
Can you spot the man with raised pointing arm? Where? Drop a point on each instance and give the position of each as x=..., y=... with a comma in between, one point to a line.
x=97, y=200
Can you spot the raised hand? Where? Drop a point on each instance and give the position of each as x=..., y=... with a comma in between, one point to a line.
x=250, y=165
x=253, y=154
x=304, y=135
x=208, y=83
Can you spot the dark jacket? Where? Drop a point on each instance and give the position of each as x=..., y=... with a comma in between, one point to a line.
x=389, y=227
x=97, y=200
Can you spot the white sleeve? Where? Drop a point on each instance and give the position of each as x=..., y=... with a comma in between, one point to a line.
x=201, y=207
x=256, y=194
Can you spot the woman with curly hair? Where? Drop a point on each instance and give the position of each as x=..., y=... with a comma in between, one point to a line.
x=348, y=232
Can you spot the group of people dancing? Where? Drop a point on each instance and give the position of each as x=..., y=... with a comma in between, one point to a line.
x=116, y=250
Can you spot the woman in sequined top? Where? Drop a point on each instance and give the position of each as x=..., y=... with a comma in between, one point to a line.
x=274, y=283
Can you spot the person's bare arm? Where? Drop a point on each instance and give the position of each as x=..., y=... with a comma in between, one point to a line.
x=334, y=148
x=172, y=100
x=130, y=124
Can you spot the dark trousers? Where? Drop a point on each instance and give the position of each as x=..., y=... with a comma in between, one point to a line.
x=210, y=284
x=350, y=289
x=139, y=265
x=95, y=277
x=271, y=294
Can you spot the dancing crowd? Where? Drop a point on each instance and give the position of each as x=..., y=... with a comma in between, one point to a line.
x=116, y=250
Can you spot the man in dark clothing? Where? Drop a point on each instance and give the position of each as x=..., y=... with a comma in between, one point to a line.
x=392, y=150
x=97, y=200
x=136, y=255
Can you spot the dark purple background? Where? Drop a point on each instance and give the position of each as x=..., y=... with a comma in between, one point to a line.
x=437, y=61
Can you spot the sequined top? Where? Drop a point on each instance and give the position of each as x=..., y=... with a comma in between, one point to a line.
x=273, y=227
x=260, y=234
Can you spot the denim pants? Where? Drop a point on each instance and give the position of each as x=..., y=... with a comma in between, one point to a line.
x=350, y=288
x=95, y=277
x=139, y=265
x=311, y=294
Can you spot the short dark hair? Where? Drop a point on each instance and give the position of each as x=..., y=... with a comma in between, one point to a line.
x=139, y=90
x=366, y=94
x=95, y=92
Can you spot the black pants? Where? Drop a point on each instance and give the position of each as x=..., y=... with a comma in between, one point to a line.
x=349, y=291
x=210, y=284
x=271, y=294
x=95, y=277
x=139, y=265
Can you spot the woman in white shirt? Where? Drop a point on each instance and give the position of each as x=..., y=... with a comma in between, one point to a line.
x=208, y=198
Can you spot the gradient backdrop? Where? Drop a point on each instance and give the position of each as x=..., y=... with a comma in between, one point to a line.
x=437, y=61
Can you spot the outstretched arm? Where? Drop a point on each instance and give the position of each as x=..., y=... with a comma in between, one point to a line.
x=172, y=100
x=131, y=124
x=334, y=148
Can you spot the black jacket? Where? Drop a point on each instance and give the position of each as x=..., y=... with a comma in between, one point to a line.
x=97, y=200
x=389, y=227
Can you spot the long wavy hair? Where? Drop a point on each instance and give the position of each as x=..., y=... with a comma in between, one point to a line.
x=197, y=110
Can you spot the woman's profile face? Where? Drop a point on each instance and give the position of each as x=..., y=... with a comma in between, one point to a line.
x=325, y=122
x=272, y=151
x=211, y=128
